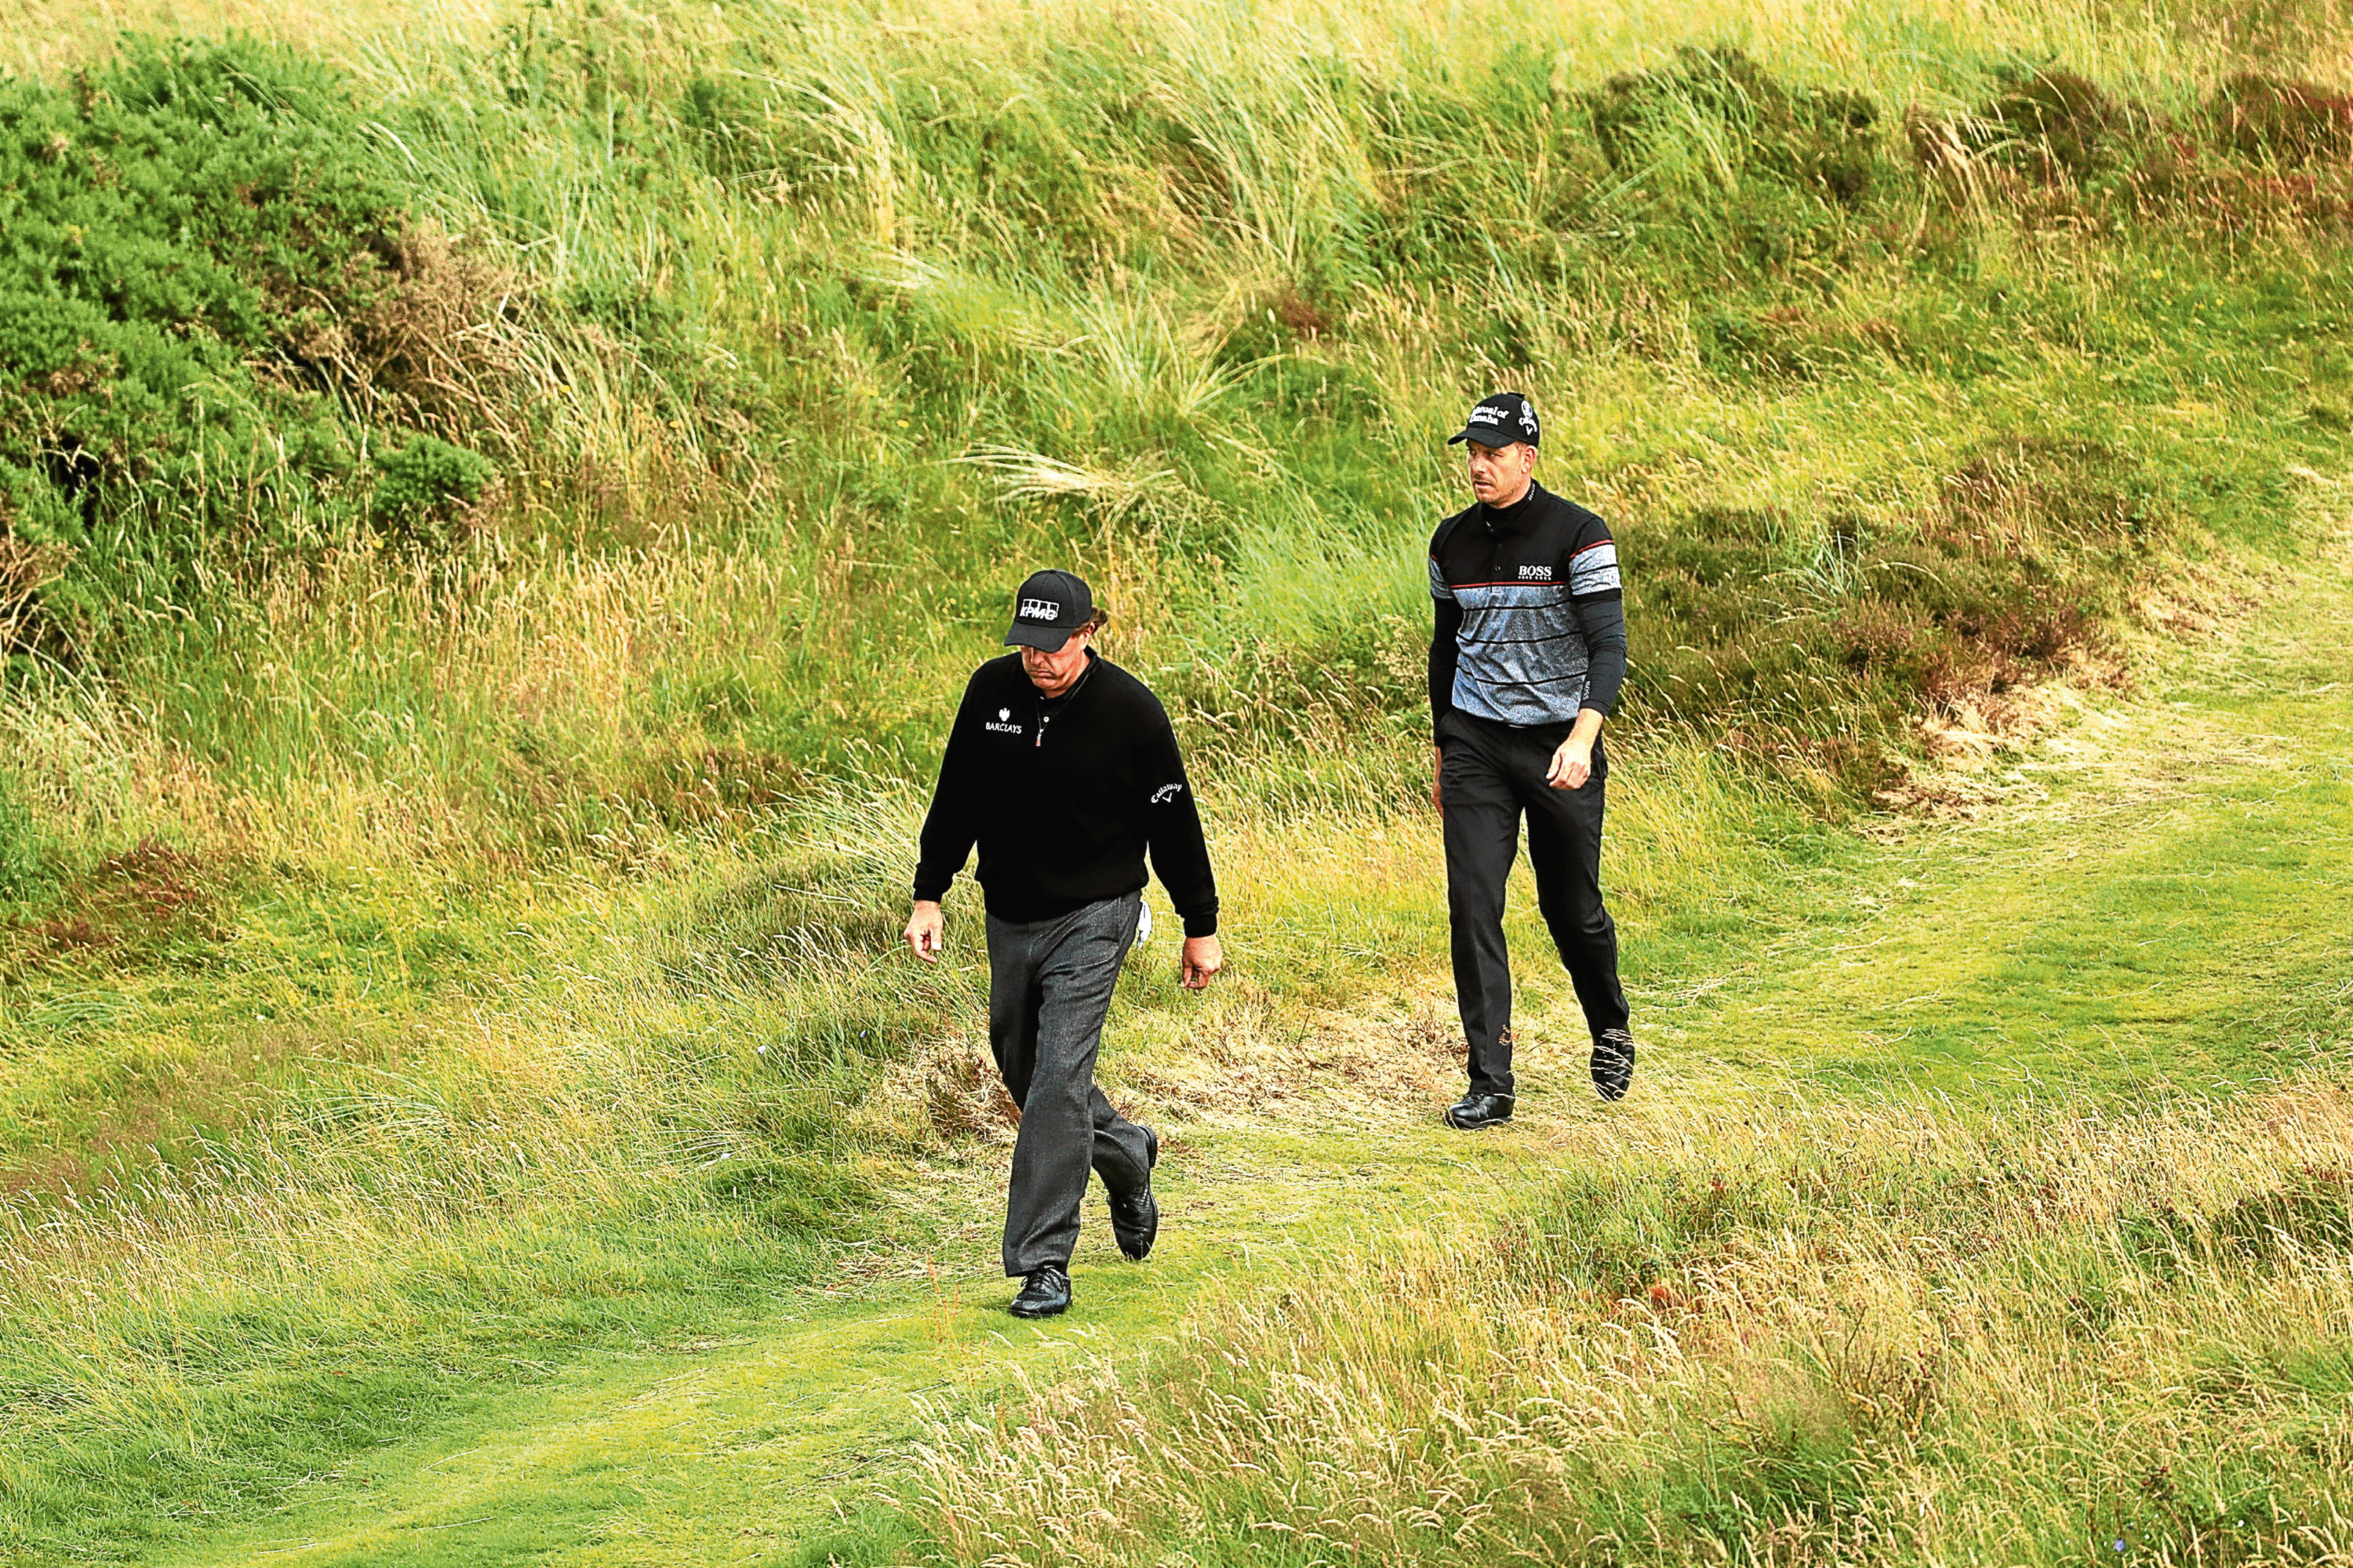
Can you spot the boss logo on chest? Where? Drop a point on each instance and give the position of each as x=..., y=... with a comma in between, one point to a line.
x=1536, y=574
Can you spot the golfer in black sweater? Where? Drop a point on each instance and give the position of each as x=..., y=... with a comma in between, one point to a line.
x=1061, y=767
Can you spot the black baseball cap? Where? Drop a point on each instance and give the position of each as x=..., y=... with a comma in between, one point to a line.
x=1050, y=607
x=1500, y=421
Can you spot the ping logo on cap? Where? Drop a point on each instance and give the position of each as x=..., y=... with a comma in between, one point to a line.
x=1038, y=610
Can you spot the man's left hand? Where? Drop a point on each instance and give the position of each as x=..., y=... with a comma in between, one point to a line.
x=1201, y=959
x=1572, y=761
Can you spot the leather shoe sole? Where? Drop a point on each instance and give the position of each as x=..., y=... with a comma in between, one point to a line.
x=1613, y=1064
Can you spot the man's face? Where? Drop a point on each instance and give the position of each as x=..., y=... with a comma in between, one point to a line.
x=1056, y=672
x=1499, y=475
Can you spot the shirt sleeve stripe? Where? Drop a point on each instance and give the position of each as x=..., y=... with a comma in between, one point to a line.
x=1595, y=566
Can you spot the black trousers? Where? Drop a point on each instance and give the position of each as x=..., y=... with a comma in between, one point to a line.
x=1489, y=775
x=1049, y=985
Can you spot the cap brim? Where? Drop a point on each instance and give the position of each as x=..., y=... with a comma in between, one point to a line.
x=1045, y=639
x=1487, y=437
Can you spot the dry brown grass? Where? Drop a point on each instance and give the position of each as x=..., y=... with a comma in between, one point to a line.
x=1971, y=746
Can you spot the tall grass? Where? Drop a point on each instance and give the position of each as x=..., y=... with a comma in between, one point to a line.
x=1776, y=1331
x=901, y=310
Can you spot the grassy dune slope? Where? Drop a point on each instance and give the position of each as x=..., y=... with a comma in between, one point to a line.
x=445, y=928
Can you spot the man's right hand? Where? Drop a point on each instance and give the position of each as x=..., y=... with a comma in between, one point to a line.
x=1437, y=768
x=926, y=929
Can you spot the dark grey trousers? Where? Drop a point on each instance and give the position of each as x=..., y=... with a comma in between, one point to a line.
x=1049, y=985
x=1489, y=774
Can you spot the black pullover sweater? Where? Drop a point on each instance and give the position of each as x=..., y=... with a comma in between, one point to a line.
x=1065, y=797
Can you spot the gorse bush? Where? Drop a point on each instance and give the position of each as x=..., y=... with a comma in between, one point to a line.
x=168, y=218
x=201, y=262
x=2032, y=555
x=426, y=485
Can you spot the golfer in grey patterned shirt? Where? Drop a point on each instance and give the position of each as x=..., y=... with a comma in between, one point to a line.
x=1525, y=658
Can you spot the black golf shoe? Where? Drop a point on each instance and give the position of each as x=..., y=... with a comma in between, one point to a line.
x=1044, y=1293
x=1475, y=1110
x=1613, y=1064
x=1136, y=1216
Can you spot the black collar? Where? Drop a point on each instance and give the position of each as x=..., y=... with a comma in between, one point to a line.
x=1512, y=518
